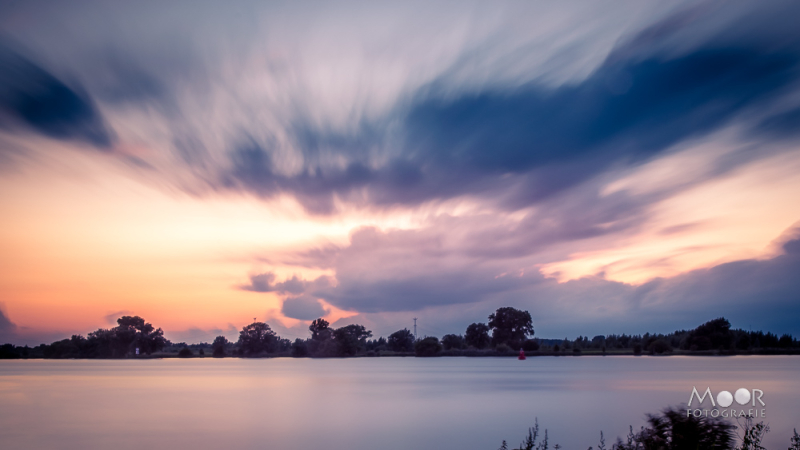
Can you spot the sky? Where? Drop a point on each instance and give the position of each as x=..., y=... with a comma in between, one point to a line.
x=614, y=167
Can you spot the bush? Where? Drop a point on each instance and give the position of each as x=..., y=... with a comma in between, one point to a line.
x=453, y=341
x=185, y=353
x=503, y=348
x=477, y=335
x=429, y=346
x=660, y=347
x=218, y=346
x=401, y=341
x=530, y=345
x=299, y=348
x=637, y=349
x=672, y=429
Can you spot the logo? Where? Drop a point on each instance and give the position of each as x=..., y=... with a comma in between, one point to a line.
x=753, y=399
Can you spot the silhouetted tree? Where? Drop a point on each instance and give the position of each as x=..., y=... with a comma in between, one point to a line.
x=256, y=338
x=660, y=346
x=401, y=341
x=9, y=351
x=714, y=334
x=530, y=345
x=427, y=347
x=218, y=346
x=350, y=339
x=477, y=335
x=185, y=352
x=299, y=348
x=453, y=341
x=320, y=330
x=510, y=326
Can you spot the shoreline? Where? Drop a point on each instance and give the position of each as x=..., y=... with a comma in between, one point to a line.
x=444, y=354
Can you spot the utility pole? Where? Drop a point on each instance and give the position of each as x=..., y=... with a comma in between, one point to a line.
x=415, y=328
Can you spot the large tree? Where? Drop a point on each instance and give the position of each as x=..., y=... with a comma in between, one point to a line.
x=510, y=326
x=350, y=339
x=256, y=338
x=220, y=342
x=401, y=341
x=320, y=330
x=147, y=338
x=477, y=335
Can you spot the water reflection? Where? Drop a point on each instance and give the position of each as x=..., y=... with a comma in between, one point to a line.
x=366, y=403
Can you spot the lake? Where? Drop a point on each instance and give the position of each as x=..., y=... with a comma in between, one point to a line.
x=367, y=403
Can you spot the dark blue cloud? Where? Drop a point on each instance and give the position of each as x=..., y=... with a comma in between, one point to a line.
x=32, y=96
x=783, y=125
x=531, y=142
x=642, y=107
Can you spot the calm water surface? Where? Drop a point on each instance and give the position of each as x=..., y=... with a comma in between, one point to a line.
x=366, y=403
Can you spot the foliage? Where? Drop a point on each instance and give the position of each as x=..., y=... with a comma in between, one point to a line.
x=660, y=346
x=453, y=341
x=714, y=334
x=401, y=341
x=299, y=348
x=673, y=430
x=350, y=339
x=218, y=346
x=753, y=435
x=529, y=443
x=257, y=338
x=530, y=345
x=185, y=352
x=320, y=330
x=477, y=335
x=429, y=346
x=510, y=326
x=794, y=442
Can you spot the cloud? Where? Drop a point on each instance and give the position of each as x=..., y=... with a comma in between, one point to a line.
x=8, y=329
x=111, y=318
x=265, y=282
x=384, y=275
x=31, y=95
x=303, y=308
x=529, y=142
x=492, y=115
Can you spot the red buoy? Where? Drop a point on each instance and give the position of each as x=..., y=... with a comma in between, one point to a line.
x=521, y=355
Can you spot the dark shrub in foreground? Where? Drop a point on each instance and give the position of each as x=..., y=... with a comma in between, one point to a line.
x=185, y=353
x=672, y=430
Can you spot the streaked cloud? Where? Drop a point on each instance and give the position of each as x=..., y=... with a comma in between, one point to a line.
x=592, y=163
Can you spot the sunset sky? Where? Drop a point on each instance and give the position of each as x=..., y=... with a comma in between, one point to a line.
x=609, y=167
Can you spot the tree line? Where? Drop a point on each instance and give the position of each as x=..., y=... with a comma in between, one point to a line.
x=507, y=331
